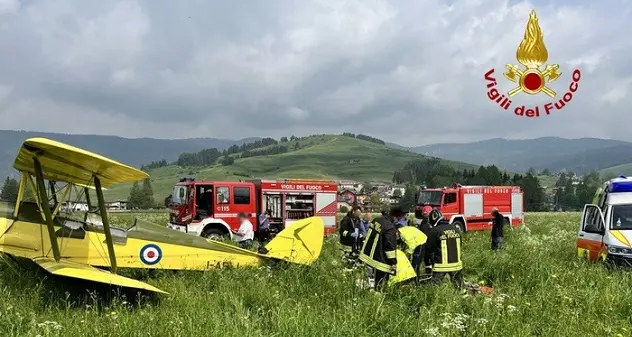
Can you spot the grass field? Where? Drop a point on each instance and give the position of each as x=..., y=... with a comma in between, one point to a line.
x=540, y=289
x=320, y=157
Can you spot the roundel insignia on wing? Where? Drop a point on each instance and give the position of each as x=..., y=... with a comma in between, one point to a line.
x=150, y=254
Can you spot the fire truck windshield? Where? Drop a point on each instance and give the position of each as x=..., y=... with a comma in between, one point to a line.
x=179, y=195
x=430, y=197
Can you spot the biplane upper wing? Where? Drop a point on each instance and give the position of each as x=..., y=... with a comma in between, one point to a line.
x=85, y=272
x=63, y=162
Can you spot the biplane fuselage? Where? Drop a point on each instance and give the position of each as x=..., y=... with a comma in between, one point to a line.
x=24, y=239
x=67, y=246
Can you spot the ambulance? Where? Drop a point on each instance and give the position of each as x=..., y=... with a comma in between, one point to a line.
x=605, y=229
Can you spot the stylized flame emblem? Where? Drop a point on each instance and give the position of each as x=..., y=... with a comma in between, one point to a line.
x=532, y=54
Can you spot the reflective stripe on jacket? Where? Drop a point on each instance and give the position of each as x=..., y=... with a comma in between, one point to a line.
x=380, y=244
x=412, y=238
x=444, y=244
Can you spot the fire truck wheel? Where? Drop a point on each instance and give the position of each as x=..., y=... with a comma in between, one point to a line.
x=459, y=225
x=213, y=233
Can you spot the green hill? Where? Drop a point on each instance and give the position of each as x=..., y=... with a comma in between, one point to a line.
x=318, y=157
x=615, y=171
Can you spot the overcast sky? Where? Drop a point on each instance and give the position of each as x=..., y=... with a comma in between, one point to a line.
x=410, y=72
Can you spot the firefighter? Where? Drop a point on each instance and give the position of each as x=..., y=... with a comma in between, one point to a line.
x=350, y=230
x=263, y=232
x=444, y=247
x=498, y=236
x=425, y=227
x=379, y=249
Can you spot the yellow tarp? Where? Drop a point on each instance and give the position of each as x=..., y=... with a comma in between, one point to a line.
x=405, y=270
x=62, y=162
x=85, y=272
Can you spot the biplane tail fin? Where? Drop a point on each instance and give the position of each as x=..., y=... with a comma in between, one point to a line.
x=85, y=272
x=300, y=242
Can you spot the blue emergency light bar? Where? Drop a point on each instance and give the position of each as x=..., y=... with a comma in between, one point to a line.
x=620, y=185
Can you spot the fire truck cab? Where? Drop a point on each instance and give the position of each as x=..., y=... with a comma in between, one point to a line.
x=210, y=208
x=469, y=207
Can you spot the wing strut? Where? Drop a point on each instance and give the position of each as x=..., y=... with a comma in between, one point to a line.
x=106, y=223
x=87, y=191
x=43, y=199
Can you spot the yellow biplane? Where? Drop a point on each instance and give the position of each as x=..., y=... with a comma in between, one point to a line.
x=85, y=247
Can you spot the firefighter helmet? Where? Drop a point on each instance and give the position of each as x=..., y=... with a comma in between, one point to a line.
x=396, y=212
x=434, y=217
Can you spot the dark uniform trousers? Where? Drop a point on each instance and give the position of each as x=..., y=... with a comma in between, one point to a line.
x=455, y=276
x=381, y=278
x=497, y=242
x=417, y=258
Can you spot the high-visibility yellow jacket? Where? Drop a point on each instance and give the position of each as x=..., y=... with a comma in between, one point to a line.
x=412, y=238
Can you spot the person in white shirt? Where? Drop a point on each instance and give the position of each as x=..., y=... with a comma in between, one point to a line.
x=245, y=234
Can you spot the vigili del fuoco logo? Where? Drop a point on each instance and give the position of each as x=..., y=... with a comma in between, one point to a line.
x=531, y=79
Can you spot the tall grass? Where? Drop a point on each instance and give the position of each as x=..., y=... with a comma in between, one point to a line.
x=540, y=289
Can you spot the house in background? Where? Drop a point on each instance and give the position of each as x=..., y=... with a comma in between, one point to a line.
x=401, y=189
x=74, y=206
x=346, y=198
x=116, y=205
x=349, y=185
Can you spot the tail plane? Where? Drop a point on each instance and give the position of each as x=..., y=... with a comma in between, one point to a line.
x=300, y=242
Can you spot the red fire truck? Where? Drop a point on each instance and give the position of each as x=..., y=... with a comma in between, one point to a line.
x=469, y=207
x=210, y=208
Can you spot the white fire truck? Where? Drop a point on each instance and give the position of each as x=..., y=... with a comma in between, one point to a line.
x=210, y=208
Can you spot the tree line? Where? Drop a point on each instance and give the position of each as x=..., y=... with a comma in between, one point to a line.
x=208, y=157
x=572, y=193
x=265, y=152
x=154, y=165
x=142, y=196
x=249, y=146
x=364, y=137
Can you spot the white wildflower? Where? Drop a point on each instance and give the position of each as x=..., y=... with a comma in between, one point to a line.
x=511, y=308
x=432, y=331
x=52, y=324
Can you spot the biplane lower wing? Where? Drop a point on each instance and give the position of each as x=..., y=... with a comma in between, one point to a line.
x=89, y=273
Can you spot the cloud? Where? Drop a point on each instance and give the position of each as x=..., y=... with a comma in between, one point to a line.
x=406, y=71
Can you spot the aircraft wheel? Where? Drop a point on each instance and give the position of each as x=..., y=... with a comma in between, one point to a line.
x=213, y=233
x=459, y=225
